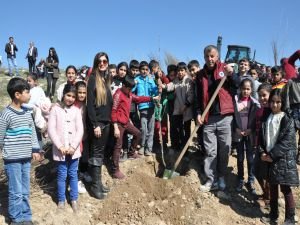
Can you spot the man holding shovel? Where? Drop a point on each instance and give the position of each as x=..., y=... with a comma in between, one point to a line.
x=217, y=122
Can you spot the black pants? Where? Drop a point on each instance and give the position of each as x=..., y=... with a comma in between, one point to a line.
x=31, y=64
x=51, y=83
x=98, y=146
x=182, y=131
x=289, y=201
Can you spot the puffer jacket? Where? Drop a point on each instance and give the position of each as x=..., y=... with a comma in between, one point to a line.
x=283, y=169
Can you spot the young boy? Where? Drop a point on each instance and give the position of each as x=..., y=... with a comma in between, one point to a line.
x=277, y=78
x=145, y=86
x=19, y=144
x=194, y=68
x=120, y=119
x=183, y=87
x=112, y=70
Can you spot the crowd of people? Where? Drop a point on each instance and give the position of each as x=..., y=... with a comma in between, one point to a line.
x=110, y=113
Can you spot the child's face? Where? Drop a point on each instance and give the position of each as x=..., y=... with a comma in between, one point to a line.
x=172, y=75
x=277, y=76
x=69, y=98
x=71, y=75
x=112, y=72
x=181, y=73
x=134, y=71
x=122, y=71
x=126, y=90
x=276, y=104
x=243, y=67
x=193, y=70
x=144, y=70
x=81, y=94
x=246, y=89
x=155, y=69
x=32, y=83
x=254, y=74
x=263, y=97
x=23, y=97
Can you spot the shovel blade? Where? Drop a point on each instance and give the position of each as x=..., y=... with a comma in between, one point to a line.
x=168, y=174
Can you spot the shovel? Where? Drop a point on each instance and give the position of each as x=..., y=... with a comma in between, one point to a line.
x=168, y=174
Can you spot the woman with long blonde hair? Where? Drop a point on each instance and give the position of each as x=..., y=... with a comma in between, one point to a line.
x=99, y=106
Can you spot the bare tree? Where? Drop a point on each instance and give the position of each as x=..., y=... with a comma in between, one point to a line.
x=170, y=59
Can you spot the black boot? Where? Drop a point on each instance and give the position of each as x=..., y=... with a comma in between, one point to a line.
x=96, y=187
x=103, y=188
x=289, y=216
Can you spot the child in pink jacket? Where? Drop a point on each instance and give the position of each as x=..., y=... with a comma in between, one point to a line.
x=65, y=129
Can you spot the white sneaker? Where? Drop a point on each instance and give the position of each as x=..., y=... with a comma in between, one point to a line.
x=208, y=186
x=81, y=188
x=221, y=183
x=87, y=177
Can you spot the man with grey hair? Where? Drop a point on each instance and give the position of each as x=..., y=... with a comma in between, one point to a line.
x=217, y=122
x=31, y=56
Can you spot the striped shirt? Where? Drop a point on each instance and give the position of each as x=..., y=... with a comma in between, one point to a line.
x=18, y=138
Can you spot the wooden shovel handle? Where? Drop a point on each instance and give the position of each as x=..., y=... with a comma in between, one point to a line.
x=197, y=126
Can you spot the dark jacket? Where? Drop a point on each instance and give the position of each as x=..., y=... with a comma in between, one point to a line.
x=202, y=92
x=8, y=50
x=34, y=53
x=283, y=169
x=237, y=123
x=98, y=115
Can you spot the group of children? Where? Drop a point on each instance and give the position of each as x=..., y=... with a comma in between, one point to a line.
x=147, y=99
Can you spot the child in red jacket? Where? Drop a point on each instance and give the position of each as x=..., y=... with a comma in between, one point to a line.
x=120, y=118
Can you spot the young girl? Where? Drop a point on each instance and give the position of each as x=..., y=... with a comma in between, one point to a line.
x=262, y=167
x=122, y=70
x=71, y=73
x=244, y=123
x=65, y=129
x=37, y=96
x=278, y=144
x=83, y=162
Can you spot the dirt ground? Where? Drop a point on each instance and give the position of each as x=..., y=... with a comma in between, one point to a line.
x=145, y=199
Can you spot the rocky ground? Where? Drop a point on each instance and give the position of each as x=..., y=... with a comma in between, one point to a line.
x=145, y=199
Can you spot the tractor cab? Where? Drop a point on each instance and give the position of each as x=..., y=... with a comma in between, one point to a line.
x=237, y=52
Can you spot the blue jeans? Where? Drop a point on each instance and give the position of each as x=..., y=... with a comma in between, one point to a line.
x=69, y=167
x=244, y=145
x=12, y=62
x=18, y=175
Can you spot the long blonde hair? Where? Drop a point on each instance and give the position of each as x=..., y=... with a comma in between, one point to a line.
x=101, y=79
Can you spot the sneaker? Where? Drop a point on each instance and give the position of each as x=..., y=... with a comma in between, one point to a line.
x=27, y=223
x=81, y=188
x=221, y=183
x=75, y=207
x=133, y=156
x=208, y=186
x=124, y=156
x=118, y=175
x=87, y=177
x=61, y=206
x=239, y=187
x=148, y=152
x=250, y=188
x=141, y=151
x=268, y=220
